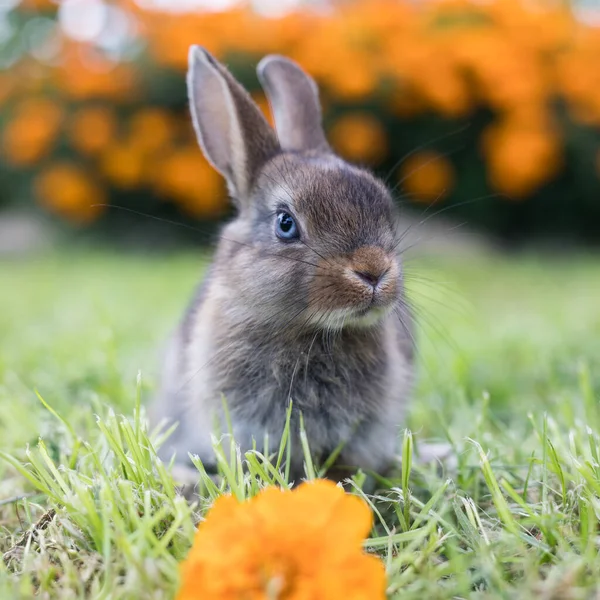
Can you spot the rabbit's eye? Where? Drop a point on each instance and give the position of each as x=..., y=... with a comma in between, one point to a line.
x=286, y=228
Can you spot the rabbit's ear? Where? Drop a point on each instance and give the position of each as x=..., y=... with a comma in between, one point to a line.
x=231, y=129
x=294, y=99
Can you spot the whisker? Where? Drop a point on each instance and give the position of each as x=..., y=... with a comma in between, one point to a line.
x=416, y=348
x=422, y=147
x=422, y=165
x=192, y=228
x=406, y=328
x=442, y=210
x=317, y=253
x=149, y=216
x=279, y=183
x=450, y=307
x=420, y=239
x=433, y=322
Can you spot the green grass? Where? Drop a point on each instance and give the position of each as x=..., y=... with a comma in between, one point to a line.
x=509, y=374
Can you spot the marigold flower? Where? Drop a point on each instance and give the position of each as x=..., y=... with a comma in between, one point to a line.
x=186, y=177
x=84, y=75
x=151, y=130
x=430, y=71
x=92, y=129
x=520, y=60
x=304, y=544
x=426, y=175
x=352, y=76
x=30, y=133
x=359, y=136
x=521, y=156
x=68, y=190
x=123, y=165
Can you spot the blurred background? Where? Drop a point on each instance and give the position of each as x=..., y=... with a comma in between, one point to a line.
x=490, y=108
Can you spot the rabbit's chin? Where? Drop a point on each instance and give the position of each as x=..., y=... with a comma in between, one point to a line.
x=351, y=318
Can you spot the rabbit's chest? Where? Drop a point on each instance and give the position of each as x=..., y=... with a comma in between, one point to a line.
x=340, y=400
x=345, y=389
x=327, y=384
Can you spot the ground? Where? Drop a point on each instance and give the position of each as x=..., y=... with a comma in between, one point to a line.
x=509, y=373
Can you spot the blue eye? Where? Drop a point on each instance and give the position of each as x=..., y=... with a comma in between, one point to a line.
x=285, y=227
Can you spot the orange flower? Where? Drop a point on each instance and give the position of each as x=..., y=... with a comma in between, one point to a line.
x=352, y=77
x=123, y=164
x=429, y=71
x=304, y=544
x=578, y=76
x=84, y=74
x=521, y=155
x=359, y=136
x=30, y=134
x=68, y=190
x=151, y=130
x=92, y=129
x=188, y=179
x=427, y=175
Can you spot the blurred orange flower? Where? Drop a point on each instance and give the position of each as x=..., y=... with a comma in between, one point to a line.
x=427, y=68
x=92, y=129
x=427, y=176
x=359, y=136
x=578, y=76
x=520, y=156
x=518, y=61
x=352, y=77
x=31, y=131
x=151, y=130
x=70, y=191
x=84, y=74
x=185, y=176
x=123, y=164
x=299, y=544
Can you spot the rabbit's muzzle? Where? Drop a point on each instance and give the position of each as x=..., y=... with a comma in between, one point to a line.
x=358, y=288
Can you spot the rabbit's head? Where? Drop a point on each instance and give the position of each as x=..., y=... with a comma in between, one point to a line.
x=313, y=243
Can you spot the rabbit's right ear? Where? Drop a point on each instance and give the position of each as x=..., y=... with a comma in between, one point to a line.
x=294, y=99
x=231, y=129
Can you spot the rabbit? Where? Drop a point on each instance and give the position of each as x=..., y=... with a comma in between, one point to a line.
x=304, y=300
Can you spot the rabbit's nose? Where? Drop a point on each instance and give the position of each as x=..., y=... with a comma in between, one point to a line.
x=371, y=277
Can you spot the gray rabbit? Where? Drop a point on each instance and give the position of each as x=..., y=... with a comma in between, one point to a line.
x=305, y=298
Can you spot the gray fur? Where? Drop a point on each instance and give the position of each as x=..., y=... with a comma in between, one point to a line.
x=231, y=129
x=277, y=320
x=294, y=100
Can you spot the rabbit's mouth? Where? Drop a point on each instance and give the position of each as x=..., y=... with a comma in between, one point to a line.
x=364, y=317
x=368, y=316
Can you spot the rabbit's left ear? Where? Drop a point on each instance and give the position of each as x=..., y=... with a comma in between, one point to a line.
x=231, y=130
x=294, y=100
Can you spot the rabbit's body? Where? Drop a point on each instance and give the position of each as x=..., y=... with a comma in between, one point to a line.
x=338, y=402
x=305, y=298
